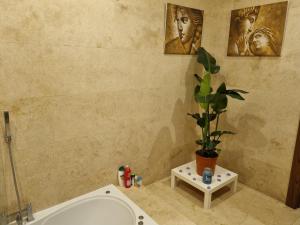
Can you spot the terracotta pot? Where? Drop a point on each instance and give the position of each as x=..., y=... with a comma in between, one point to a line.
x=203, y=162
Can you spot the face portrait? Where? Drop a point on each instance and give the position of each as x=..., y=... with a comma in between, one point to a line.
x=260, y=40
x=183, y=30
x=245, y=24
x=257, y=30
x=184, y=24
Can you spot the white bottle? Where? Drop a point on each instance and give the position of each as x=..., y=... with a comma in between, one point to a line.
x=121, y=176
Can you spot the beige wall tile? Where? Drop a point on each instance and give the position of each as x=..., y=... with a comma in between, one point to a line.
x=89, y=88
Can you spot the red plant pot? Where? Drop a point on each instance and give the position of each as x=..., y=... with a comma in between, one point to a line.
x=203, y=162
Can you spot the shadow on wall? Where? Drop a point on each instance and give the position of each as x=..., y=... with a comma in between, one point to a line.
x=248, y=140
x=175, y=145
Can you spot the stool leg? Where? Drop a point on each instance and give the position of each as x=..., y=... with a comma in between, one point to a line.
x=207, y=200
x=173, y=181
x=234, y=185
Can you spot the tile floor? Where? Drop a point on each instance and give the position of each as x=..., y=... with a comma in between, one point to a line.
x=184, y=206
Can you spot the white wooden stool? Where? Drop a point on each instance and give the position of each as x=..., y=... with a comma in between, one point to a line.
x=221, y=178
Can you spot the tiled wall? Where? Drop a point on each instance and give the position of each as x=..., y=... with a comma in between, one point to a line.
x=267, y=121
x=89, y=89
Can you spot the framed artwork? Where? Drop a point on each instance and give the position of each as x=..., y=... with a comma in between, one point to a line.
x=183, y=29
x=257, y=31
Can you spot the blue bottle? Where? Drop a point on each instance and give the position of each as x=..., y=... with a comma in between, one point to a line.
x=207, y=175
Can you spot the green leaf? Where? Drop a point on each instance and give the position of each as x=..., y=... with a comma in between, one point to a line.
x=222, y=111
x=219, y=102
x=212, y=144
x=215, y=143
x=216, y=133
x=195, y=115
x=208, y=61
x=212, y=116
x=204, y=90
x=201, y=122
x=198, y=78
x=234, y=94
x=220, y=133
x=199, y=142
x=196, y=92
x=204, y=99
x=222, y=88
x=240, y=91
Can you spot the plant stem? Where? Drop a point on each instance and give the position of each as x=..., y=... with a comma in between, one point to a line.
x=208, y=128
x=217, y=124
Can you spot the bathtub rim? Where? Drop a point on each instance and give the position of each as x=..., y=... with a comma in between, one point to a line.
x=114, y=192
x=78, y=202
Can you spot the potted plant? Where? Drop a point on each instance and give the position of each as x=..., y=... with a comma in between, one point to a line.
x=212, y=104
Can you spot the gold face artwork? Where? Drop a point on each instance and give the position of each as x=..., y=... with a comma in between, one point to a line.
x=257, y=31
x=183, y=30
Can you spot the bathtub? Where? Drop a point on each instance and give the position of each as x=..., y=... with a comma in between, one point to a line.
x=105, y=206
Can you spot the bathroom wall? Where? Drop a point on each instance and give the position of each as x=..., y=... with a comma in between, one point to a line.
x=267, y=121
x=88, y=89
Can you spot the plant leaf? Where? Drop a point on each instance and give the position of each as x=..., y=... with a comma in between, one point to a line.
x=212, y=116
x=204, y=99
x=201, y=122
x=222, y=88
x=234, y=94
x=198, y=78
x=219, y=102
x=220, y=133
x=208, y=61
x=216, y=133
x=240, y=91
x=205, y=89
x=195, y=115
x=212, y=144
x=199, y=142
x=196, y=92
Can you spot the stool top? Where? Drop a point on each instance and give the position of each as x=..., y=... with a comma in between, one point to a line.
x=188, y=173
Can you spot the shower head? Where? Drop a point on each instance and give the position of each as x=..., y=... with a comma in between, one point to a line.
x=6, y=116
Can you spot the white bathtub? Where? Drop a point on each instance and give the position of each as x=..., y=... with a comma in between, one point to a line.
x=105, y=206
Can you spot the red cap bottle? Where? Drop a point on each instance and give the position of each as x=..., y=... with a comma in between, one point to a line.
x=127, y=177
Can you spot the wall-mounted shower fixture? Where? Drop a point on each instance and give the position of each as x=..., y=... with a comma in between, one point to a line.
x=21, y=214
x=26, y=215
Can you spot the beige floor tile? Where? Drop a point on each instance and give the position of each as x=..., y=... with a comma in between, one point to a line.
x=251, y=221
x=297, y=222
x=184, y=206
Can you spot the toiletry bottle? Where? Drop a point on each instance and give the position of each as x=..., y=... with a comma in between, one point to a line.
x=132, y=179
x=139, y=181
x=127, y=177
x=207, y=175
x=121, y=176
